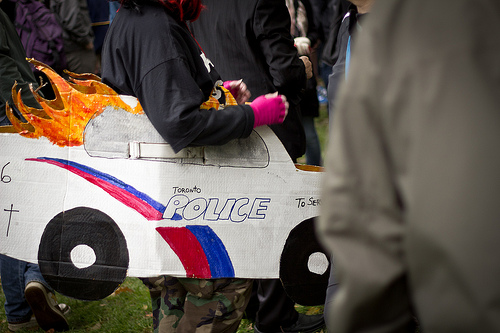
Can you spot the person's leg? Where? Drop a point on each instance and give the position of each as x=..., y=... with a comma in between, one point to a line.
x=330, y=292
x=214, y=305
x=32, y=273
x=313, y=148
x=167, y=297
x=27, y=293
x=253, y=303
x=276, y=309
x=12, y=271
x=324, y=72
x=42, y=300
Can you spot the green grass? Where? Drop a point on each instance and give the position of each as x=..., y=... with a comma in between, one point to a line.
x=128, y=310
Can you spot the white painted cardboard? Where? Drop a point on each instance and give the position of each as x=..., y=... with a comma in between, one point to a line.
x=248, y=192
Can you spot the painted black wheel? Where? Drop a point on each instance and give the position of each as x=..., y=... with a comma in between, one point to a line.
x=94, y=231
x=305, y=266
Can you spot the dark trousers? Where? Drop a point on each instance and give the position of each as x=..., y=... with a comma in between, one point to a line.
x=270, y=306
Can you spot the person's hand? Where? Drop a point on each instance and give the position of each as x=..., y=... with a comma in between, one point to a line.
x=307, y=63
x=239, y=90
x=269, y=109
x=303, y=45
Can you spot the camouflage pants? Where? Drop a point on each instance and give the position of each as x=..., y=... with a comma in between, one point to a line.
x=197, y=305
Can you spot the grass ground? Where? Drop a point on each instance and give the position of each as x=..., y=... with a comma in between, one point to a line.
x=128, y=309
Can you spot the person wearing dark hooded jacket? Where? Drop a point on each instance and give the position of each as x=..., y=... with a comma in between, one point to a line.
x=150, y=53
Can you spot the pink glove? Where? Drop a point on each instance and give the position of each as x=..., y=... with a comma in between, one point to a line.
x=239, y=90
x=269, y=109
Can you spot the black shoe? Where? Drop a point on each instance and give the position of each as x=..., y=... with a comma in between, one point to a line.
x=47, y=312
x=304, y=324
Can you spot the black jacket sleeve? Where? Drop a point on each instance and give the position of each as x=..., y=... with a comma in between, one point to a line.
x=173, y=106
x=272, y=31
x=13, y=67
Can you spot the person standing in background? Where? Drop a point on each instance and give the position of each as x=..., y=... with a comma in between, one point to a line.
x=29, y=301
x=251, y=40
x=150, y=53
x=99, y=16
x=349, y=28
x=305, y=34
x=328, y=53
x=410, y=199
x=73, y=15
x=322, y=16
x=13, y=64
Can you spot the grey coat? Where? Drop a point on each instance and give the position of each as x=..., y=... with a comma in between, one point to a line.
x=411, y=202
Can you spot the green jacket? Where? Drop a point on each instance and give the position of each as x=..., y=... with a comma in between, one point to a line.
x=13, y=66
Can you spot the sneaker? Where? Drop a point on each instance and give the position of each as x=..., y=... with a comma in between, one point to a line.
x=43, y=303
x=65, y=309
x=22, y=325
x=322, y=94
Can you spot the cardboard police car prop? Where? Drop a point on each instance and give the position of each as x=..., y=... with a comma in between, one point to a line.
x=92, y=193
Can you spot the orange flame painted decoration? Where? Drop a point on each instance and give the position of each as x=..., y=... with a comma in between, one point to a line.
x=63, y=119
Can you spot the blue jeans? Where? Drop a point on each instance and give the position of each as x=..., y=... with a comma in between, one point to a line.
x=313, y=148
x=15, y=275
